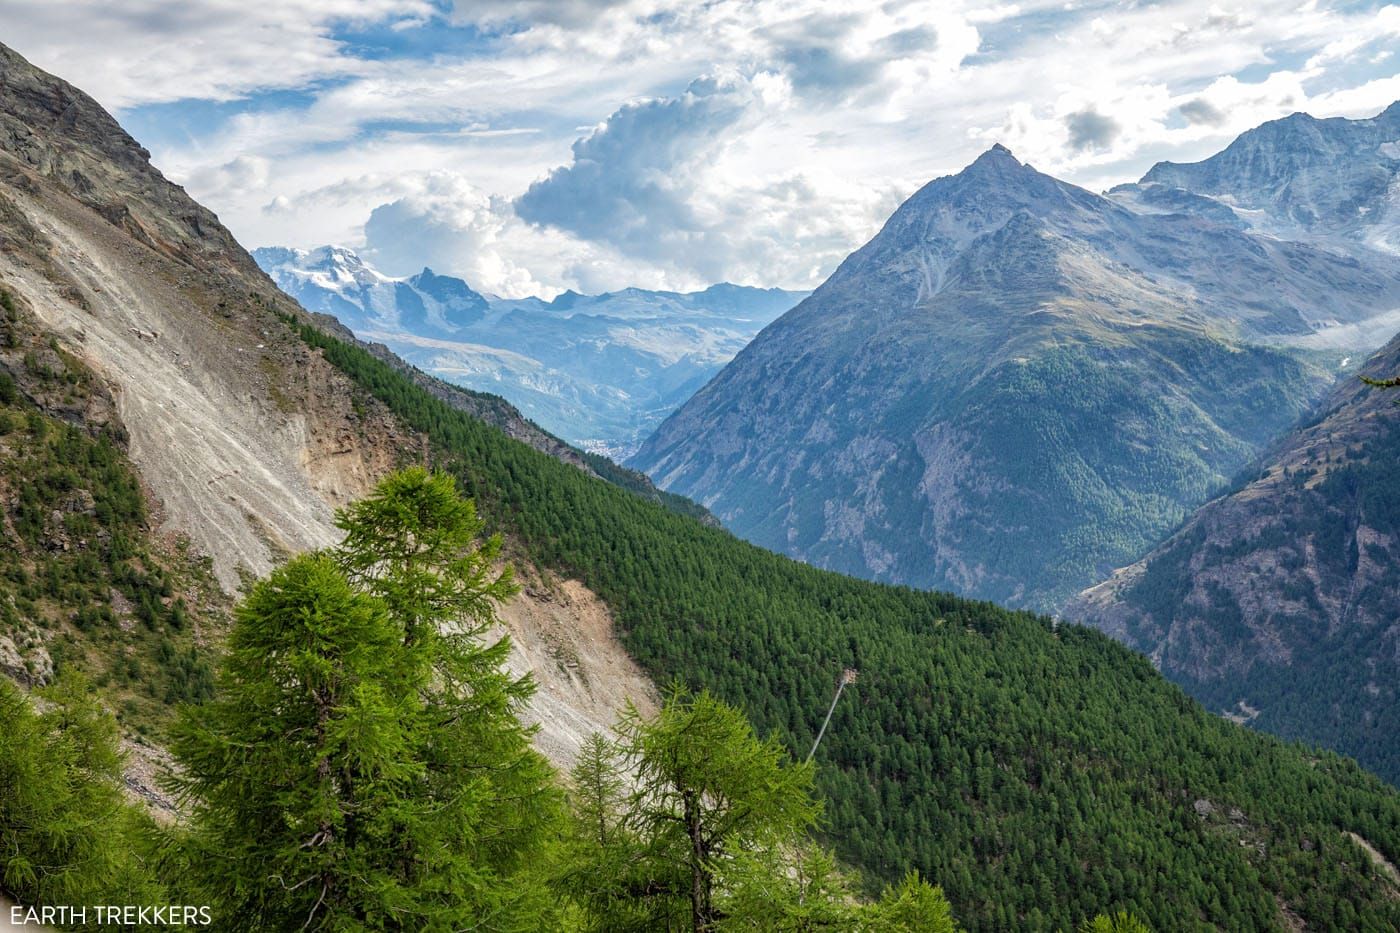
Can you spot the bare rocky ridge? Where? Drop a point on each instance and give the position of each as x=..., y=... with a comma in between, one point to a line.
x=1297, y=178
x=231, y=424
x=241, y=435
x=245, y=439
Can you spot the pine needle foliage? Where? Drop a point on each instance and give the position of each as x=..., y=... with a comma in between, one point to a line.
x=688, y=821
x=362, y=765
x=67, y=832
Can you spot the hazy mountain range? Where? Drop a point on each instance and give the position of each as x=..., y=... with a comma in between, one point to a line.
x=601, y=371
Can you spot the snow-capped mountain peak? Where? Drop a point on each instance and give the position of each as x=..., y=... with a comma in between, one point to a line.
x=598, y=370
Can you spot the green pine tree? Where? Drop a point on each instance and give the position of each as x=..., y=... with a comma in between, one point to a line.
x=690, y=822
x=603, y=871
x=914, y=906
x=1120, y=922
x=708, y=790
x=792, y=888
x=67, y=832
x=416, y=545
x=362, y=765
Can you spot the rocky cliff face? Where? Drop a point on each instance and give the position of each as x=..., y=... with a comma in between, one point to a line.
x=1276, y=604
x=1301, y=178
x=169, y=345
x=245, y=441
x=1015, y=385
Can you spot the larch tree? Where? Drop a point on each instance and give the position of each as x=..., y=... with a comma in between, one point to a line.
x=690, y=822
x=417, y=545
x=361, y=765
x=67, y=831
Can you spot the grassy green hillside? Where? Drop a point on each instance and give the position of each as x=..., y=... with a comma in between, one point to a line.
x=1040, y=775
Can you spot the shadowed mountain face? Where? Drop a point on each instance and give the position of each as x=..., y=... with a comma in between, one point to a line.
x=1276, y=604
x=1017, y=386
x=598, y=370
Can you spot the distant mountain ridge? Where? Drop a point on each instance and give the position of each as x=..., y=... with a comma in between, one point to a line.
x=334, y=280
x=1017, y=384
x=598, y=370
x=1301, y=177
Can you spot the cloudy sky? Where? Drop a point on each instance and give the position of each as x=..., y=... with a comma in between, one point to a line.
x=537, y=145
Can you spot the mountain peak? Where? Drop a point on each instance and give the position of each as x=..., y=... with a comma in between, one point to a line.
x=997, y=167
x=330, y=256
x=1302, y=175
x=997, y=155
x=449, y=290
x=566, y=299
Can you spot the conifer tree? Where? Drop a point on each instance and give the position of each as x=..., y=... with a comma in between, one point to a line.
x=416, y=545
x=690, y=822
x=707, y=791
x=1120, y=922
x=361, y=765
x=66, y=829
x=603, y=871
x=793, y=888
x=914, y=906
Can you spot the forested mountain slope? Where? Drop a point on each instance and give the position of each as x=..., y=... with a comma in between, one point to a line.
x=1277, y=603
x=1037, y=772
x=1014, y=387
x=1042, y=774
